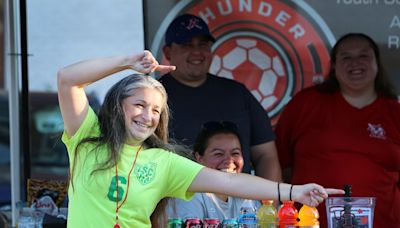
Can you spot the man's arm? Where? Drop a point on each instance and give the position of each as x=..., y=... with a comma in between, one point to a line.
x=264, y=158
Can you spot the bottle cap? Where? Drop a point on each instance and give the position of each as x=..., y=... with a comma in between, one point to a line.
x=267, y=201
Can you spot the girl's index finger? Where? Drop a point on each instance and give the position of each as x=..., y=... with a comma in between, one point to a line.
x=334, y=191
x=165, y=68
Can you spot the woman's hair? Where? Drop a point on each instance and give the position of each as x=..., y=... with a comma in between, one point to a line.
x=209, y=129
x=383, y=84
x=111, y=116
x=113, y=131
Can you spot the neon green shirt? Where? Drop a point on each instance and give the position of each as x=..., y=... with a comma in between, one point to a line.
x=156, y=175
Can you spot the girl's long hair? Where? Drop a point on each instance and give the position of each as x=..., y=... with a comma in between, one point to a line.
x=113, y=130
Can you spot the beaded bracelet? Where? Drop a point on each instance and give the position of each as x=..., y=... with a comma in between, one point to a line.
x=290, y=194
x=279, y=194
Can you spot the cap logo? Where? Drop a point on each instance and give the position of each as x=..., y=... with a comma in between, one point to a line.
x=193, y=22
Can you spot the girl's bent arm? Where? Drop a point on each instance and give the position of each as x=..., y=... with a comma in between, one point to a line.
x=72, y=80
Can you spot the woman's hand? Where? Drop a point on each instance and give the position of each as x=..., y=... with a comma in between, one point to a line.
x=312, y=194
x=146, y=63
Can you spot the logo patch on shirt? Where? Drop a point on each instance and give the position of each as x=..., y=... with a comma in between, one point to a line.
x=146, y=173
x=376, y=131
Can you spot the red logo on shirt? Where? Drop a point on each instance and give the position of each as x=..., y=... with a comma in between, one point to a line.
x=376, y=131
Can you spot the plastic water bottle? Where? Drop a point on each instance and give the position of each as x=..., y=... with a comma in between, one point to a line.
x=248, y=215
x=288, y=215
x=308, y=217
x=267, y=215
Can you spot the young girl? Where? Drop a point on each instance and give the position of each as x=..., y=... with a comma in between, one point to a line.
x=122, y=166
x=218, y=146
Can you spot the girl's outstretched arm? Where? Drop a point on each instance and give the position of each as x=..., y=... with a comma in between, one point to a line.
x=253, y=187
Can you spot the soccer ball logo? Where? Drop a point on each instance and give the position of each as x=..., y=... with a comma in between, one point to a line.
x=254, y=63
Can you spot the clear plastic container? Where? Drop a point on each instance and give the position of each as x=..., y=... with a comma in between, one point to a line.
x=30, y=218
x=248, y=215
x=350, y=212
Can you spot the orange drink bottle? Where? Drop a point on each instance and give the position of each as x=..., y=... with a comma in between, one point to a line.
x=308, y=217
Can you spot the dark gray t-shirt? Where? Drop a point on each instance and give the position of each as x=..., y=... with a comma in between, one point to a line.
x=217, y=99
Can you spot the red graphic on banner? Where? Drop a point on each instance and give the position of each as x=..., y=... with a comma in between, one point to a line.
x=275, y=48
x=255, y=64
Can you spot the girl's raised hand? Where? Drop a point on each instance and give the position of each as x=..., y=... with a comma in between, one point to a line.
x=146, y=63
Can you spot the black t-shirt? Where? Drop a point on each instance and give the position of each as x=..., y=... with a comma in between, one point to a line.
x=217, y=99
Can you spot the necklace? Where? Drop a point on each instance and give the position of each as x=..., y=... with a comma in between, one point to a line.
x=127, y=188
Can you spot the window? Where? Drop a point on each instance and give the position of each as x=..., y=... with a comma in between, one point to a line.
x=58, y=33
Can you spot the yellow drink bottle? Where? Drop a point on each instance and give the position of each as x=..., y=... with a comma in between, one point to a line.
x=267, y=215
